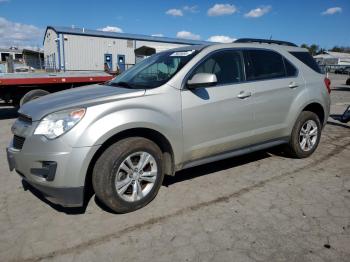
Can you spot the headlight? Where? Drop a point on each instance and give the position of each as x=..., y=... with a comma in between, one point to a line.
x=56, y=124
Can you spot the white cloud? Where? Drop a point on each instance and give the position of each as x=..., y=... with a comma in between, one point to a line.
x=258, y=12
x=18, y=34
x=174, y=12
x=332, y=11
x=113, y=29
x=158, y=35
x=187, y=35
x=191, y=9
x=222, y=9
x=221, y=39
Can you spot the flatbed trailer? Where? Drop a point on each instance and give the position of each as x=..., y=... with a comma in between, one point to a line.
x=17, y=89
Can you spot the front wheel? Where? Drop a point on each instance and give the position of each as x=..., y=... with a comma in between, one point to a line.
x=128, y=174
x=305, y=136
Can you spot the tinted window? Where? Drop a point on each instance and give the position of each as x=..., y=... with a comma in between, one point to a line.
x=308, y=60
x=226, y=65
x=290, y=69
x=263, y=64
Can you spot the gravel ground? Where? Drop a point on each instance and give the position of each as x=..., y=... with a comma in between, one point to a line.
x=258, y=207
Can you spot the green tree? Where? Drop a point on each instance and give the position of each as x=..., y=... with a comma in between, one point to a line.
x=342, y=49
x=313, y=49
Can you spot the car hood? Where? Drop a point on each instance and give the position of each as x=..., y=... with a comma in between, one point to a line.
x=78, y=97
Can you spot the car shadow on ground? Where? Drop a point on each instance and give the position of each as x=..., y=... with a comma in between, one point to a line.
x=337, y=117
x=7, y=112
x=214, y=167
x=187, y=174
x=340, y=88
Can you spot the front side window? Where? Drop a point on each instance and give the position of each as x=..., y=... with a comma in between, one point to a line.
x=263, y=64
x=155, y=70
x=226, y=65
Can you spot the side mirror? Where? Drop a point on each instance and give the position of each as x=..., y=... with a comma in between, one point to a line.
x=202, y=79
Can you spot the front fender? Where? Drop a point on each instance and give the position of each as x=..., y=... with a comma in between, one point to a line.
x=103, y=128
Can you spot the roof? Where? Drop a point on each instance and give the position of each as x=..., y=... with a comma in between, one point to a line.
x=97, y=33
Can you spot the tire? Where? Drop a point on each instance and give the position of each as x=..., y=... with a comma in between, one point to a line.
x=295, y=148
x=348, y=81
x=31, y=95
x=109, y=171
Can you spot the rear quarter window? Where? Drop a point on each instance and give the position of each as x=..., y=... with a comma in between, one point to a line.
x=290, y=68
x=308, y=60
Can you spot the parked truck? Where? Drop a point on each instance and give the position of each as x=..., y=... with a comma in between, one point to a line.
x=17, y=89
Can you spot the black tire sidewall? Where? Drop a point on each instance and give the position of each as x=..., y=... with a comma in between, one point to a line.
x=112, y=158
x=31, y=95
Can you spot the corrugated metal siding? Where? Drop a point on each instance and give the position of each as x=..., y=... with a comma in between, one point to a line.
x=158, y=46
x=87, y=53
x=50, y=48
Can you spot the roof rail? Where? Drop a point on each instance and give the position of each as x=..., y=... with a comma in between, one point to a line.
x=267, y=41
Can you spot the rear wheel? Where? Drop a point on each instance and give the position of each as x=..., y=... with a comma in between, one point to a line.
x=305, y=136
x=128, y=175
x=31, y=95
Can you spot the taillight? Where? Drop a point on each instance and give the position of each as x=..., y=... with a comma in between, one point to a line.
x=327, y=82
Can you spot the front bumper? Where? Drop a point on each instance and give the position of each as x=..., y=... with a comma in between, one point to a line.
x=65, y=196
x=59, y=176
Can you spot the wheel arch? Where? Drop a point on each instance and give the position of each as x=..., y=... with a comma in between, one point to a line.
x=316, y=108
x=148, y=133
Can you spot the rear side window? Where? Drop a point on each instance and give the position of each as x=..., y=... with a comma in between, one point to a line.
x=308, y=60
x=263, y=64
x=226, y=65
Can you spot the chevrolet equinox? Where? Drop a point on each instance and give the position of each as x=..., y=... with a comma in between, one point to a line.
x=174, y=110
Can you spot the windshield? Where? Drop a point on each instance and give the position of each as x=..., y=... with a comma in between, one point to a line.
x=155, y=70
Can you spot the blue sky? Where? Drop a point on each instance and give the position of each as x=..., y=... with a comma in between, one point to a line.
x=324, y=22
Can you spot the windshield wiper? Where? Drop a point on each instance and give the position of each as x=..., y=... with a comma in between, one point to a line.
x=122, y=84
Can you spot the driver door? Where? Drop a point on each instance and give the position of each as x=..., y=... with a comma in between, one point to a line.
x=219, y=118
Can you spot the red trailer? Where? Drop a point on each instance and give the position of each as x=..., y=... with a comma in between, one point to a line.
x=21, y=88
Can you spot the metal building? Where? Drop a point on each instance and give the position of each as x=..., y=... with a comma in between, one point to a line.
x=68, y=48
x=13, y=52
x=333, y=58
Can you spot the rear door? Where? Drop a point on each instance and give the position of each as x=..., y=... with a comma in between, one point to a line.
x=275, y=82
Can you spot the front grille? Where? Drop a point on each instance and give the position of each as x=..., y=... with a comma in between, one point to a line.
x=18, y=142
x=25, y=118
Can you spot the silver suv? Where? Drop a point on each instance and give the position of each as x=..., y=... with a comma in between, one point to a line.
x=174, y=110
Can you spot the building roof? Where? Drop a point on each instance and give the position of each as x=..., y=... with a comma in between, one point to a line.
x=97, y=33
x=9, y=50
x=329, y=54
x=29, y=51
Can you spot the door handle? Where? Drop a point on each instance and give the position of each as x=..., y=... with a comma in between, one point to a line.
x=244, y=94
x=293, y=84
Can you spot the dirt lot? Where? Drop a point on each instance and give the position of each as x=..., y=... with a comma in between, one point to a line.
x=258, y=207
